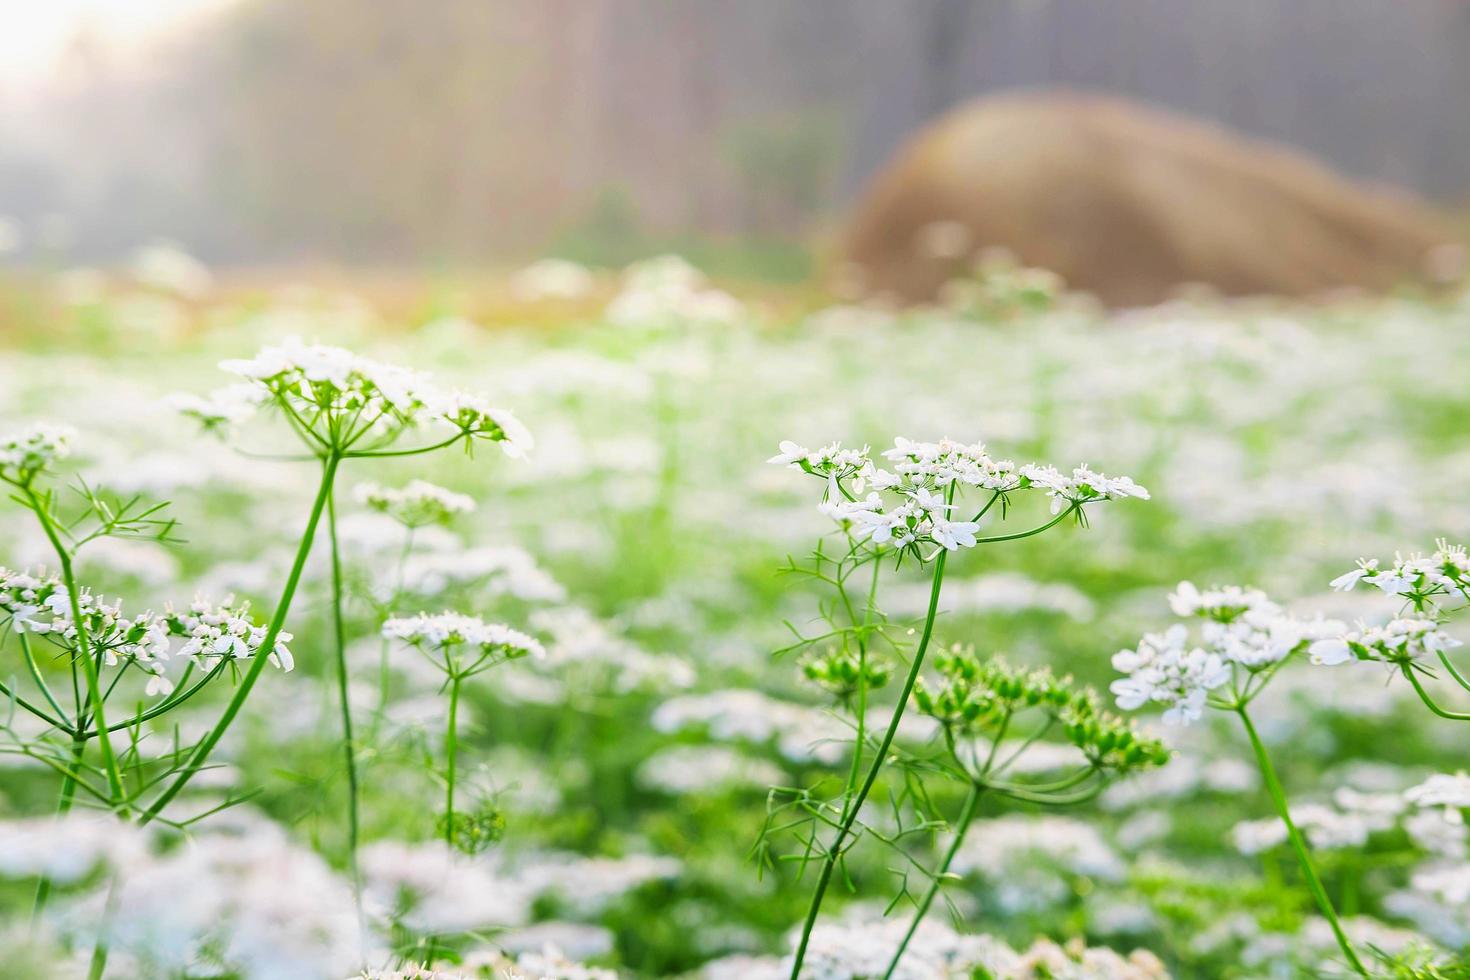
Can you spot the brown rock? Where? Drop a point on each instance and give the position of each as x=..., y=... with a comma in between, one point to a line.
x=1128, y=203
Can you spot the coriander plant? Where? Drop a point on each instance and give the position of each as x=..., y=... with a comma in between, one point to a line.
x=915, y=511
x=1244, y=641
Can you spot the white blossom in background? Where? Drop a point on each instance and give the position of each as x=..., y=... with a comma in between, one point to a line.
x=417, y=504
x=166, y=266
x=860, y=949
x=686, y=769
x=551, y=279
x=1324, y=827
x=450, y=631
x=26, y=453
x=1451, y=791
x=240, y=898
x=1004, y=845
x=667, y=292
x=67, y=849
x=498, y=570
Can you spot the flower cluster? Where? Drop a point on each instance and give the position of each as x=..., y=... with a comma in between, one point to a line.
x=226, y=406
x=1324, y=827
x=333, y=395
x=1163, y=671
x=1442, y=789
x=1400, y=641
x=26, y=453
x=926, y=478
x=220, y=632
x=922, y=517
x=1242, y=628
x=975, y=696
x=449, y=631
x=39, y=605
x=1419, y=579
x=418, y=504
x=858, y=948
x=212, y=633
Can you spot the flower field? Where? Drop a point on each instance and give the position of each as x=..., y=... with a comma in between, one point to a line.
x=649, y=628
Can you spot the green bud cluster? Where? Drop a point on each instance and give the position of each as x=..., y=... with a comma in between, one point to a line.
x=842, y=673
x=973, y=695
x=1109, y=741
x=474, y=831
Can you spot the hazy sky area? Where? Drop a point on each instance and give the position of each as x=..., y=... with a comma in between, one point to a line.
x=390, y=132
x=34, y=34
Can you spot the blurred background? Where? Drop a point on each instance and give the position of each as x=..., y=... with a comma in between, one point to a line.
x=268, y=133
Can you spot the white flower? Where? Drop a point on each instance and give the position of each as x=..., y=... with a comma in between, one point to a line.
x=1262, y=636
x=1420, y=578
x=26, y=453
x=332, y=393
x=1222, y=603
x=831, y=461
x=417, y=504
x=1399, y=642
x=1324, y=828
x=1346, y=581
x=478, y=419
x=1163, y=671
x=226, y=406
x=449, y=630
x=790, y=453
x=217, y=632
x=551, y=279
x=1441, y=789
x=952, y=535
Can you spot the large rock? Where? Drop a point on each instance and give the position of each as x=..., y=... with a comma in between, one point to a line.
x=1128, y=203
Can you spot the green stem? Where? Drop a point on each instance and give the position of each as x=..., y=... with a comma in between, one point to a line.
x=862, y=693
x=451, y=744
x=98, y=966
x=349, y=747
x=84, y=648
x=63, y=806
x=201, y=752
x=1449, y=665
x=967, y=814
x=385, y=682
x=35, y=672
x=1314, y=884
x=170, y=703
x=1429, y=701
x=850, y=815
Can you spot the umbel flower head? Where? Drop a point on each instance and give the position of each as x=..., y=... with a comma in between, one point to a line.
x=29, y=452
x=1243, y=635
x=447, y=635
x=1421, y=580
x=335, y=398
x=219, y=632
x=1401, y=642
x=914, y=504
x=39, y=605
x=418, y=504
